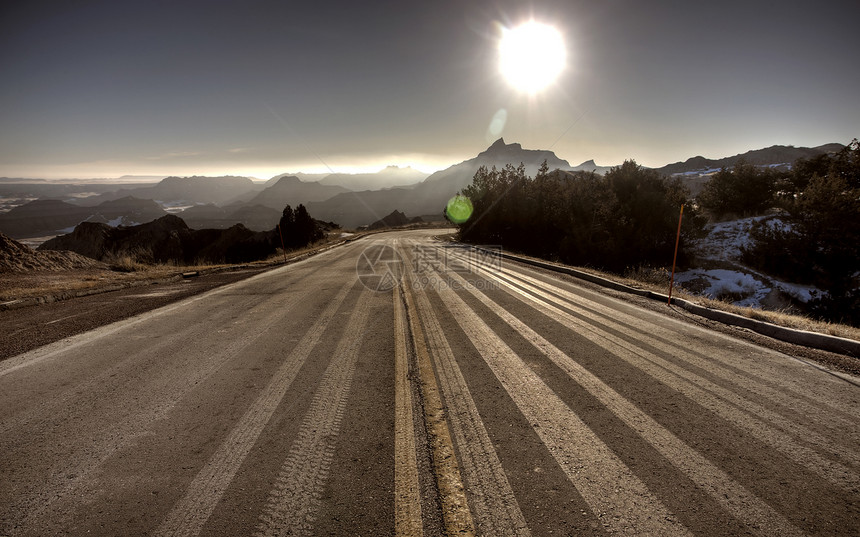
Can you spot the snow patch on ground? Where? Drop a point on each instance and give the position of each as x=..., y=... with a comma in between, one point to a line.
x=745, y=286
x=747, y=289
x=725, y=239
x=802, y=293
x=706, y=171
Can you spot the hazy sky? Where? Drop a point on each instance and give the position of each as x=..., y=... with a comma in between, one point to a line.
x=250, y=87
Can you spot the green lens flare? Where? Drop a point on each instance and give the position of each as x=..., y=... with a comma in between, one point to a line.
x=459, y=209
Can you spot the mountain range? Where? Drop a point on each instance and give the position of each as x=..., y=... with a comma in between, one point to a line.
x=220, y=202
x=388, y=177
x=427, y=199
x=776, y=155
x=51, y=217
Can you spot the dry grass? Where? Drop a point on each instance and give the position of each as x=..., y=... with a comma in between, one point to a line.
x=782, y=318
x=37, y=284
x=124, y=270
x=657, y=280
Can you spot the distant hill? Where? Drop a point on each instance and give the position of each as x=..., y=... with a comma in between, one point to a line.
x=498, y=154
x=293, y=191
x=140, y=178
x=305, y=177
x=254, y=217
x=590, y=166
x=14, y=193
x=388, y=177
x=769, y=156
x=351, y=200
x=190, y=190
x=47, y=217
x=396, y=218
x=41, y=217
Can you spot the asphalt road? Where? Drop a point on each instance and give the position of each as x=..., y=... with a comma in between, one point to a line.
x=397, y=385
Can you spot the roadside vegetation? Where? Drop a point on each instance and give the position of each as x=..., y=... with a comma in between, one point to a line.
x=807, y=230
x=654, y=279
x=628, y=217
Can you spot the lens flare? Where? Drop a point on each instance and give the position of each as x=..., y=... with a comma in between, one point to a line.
x=459, y=209
x=497, y=125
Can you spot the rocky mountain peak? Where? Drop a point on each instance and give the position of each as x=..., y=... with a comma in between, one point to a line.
x=499, y=147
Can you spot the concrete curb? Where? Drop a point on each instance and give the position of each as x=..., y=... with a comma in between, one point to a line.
x=814, y=340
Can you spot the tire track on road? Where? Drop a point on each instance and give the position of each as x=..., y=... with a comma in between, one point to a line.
x=752, y=381
x=616, y=496
x=119, y=425
x=294, y=500
x=749, y=415
x=491, y=500
x=192, y=511
x=754, y=513
x=36, y=416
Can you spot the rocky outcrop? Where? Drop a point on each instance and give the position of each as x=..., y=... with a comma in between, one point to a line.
x=394, y=219
x=16, y=257
x=166, y=240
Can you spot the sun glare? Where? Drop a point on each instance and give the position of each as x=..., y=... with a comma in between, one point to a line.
x=531, y=56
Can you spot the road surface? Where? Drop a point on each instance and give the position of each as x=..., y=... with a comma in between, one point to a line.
x=402, y=386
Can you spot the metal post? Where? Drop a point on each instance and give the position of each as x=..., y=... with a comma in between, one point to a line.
x=675, y=258
x=284, y=248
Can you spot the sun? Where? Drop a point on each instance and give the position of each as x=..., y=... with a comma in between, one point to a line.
x=531, y=56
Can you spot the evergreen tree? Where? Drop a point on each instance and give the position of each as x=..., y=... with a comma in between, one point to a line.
x=744, y=190
x=818, y=239
x=298, y=228
x=306, y=228
x=628, y=217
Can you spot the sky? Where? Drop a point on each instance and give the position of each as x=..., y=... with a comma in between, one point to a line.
x=263, y=87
